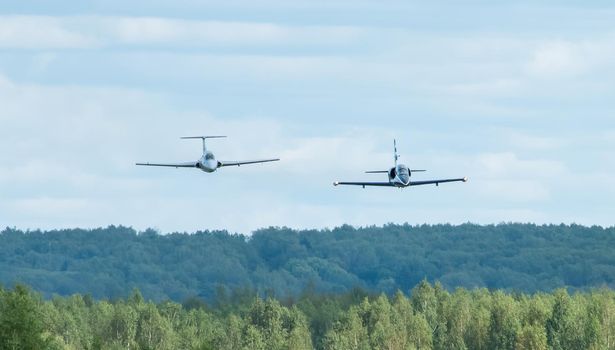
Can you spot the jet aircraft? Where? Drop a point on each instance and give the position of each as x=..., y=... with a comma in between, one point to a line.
x=399, y=176
x=208, y=162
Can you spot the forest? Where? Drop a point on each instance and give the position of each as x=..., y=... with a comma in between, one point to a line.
x=108, y=263
x=430, y=317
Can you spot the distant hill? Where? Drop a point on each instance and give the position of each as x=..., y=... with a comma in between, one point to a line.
x=110, y=262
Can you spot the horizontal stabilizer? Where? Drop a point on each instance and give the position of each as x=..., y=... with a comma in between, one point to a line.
x=202, y=137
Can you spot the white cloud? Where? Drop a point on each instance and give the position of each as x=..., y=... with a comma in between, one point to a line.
x=499, y=88
x=46, y=208
x=556, y=58
x=40, y=32
x=609, y=136
x=145, y=30
x=569, y=58
x=532, y=142
x=508, y=165
x=45, y=32
x=519, y=190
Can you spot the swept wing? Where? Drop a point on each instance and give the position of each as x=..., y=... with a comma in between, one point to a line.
x=173, y=165
x=436, y=182
x=387, y=184
x=222, y=163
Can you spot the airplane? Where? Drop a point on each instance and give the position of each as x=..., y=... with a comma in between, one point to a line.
x=399, y=176
x=208, y=162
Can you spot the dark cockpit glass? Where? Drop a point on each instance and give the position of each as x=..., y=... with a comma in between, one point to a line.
x=209, y=156
x=402, y=169
x=403, y=173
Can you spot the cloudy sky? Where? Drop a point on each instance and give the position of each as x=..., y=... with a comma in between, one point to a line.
x=519, y=96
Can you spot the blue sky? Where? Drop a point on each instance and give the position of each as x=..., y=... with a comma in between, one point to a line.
x=519, y=97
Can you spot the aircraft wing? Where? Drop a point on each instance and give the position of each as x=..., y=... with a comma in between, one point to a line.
x=173, y=165
x=364, y=183
x=242, y=162
x=436, y=182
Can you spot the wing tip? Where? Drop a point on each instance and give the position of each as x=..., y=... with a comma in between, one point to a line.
x=336, y=183
x=465, y=179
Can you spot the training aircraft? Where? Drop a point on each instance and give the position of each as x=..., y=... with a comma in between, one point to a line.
x=399, y=176
x=208, y=162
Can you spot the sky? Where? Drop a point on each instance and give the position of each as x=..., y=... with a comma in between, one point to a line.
x=518, y=96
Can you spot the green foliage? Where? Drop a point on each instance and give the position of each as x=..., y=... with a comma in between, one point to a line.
x=504, y=322
x=430, y=318
x=331, y=289
x=20, y=320
x=218, y=267
x=531, y=337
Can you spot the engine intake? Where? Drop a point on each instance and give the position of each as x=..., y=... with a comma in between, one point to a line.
x=392, y=173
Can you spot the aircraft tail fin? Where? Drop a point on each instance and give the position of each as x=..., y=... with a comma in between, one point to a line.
x=395, y=155
x=202, y=138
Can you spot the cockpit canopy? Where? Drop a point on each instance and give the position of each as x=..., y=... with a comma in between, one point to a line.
x=402, y=170
x=209, y=156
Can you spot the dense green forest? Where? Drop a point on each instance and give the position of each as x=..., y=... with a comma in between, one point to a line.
x=429, y=318
x=110, y=262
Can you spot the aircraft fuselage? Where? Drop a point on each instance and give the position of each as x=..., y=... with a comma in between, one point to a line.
x=399, y=175
x=208, y=163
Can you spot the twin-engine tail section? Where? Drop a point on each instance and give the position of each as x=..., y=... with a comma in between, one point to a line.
x=203, y=138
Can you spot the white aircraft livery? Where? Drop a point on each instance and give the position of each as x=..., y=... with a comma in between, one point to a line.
x=208, y=162
x=399, y=176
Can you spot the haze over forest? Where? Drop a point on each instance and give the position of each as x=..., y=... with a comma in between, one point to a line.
x=109, y=262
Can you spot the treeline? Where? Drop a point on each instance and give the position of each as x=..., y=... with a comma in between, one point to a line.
x=110, y=262
x=429, y=318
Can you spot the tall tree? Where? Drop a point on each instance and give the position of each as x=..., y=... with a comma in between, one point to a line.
x=348, y=333
x=504, y=322
x=20, y=320
x=123, y=326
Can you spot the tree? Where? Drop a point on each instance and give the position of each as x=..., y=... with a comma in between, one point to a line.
x=559, y=324
x=531, y=337
x=267, y=318
x=420, y=336
x=504, y=322
x=123, y=326
x=20, y=320
x=603, y=306
x=348, y=333
x=456, y=314
x=425, y=302
x=299, y=337
x=153, y=331
x=477, y=333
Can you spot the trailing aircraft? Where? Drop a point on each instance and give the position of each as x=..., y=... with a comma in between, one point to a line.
x=208, y=162
x=399, y=176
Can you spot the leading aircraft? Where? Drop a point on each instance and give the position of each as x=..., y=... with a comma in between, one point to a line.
x=399, y=176
x=208, y=162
